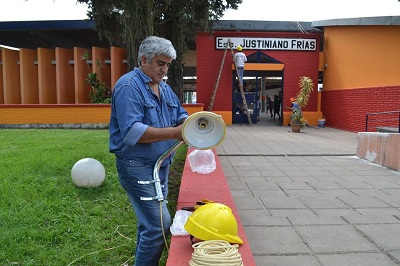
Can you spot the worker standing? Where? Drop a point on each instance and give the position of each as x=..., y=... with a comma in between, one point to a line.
x=240, y=58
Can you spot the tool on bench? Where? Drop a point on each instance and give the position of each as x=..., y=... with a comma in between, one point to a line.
x=197, y=205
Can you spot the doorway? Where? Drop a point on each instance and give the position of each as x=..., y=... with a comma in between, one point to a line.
x=262, y=75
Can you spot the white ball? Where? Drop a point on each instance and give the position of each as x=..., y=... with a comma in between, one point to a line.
x=88, y=172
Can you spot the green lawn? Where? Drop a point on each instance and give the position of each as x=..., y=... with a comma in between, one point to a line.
x=46, y=220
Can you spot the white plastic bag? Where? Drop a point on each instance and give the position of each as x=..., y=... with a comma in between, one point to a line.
x=202, y=161
x=178, y=223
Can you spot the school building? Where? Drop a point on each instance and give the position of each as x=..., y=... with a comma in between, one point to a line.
x=352, y=62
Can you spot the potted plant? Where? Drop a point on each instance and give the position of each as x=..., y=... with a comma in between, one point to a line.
x=297, y=121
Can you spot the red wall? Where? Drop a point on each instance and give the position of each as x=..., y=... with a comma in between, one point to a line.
x=347, y=109
x=297, y=64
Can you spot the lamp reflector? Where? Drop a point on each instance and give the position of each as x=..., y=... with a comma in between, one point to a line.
x=204, y=130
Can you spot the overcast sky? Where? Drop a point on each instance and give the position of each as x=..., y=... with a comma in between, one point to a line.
x=273, y=10
x=312, y=10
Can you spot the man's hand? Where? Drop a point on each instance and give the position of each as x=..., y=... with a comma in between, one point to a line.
x=178, y=133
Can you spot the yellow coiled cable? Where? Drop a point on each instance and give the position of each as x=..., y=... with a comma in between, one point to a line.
x=215, y=252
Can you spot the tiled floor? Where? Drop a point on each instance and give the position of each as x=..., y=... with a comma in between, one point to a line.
x=306, y=199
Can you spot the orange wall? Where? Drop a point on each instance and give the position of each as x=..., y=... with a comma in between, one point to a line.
x=65, y=75
x=11, y=74
x=47, y=76
x=80, y=71
x=103, y=70
x=53, y=89
x=1, y=79
x=54, y=114
x=55, y=76
x=361, y=57
x=118, y=55
x=65, y=113
x=29, y=76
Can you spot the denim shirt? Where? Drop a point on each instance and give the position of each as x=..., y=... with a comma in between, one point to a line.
x=134, y=108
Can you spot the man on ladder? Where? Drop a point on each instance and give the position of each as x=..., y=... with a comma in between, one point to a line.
x=240, y=58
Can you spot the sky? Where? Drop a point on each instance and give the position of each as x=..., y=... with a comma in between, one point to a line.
x=264, y=10
x=312, y=10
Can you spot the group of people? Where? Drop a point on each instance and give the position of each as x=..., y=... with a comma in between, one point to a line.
x=274, y=106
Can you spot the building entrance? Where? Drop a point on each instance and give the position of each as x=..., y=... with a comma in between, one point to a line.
x=262, y=75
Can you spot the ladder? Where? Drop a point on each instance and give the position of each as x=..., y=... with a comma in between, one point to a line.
x=218, y=78
x=246, y=109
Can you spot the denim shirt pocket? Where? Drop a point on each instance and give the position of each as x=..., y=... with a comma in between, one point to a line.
x=150, y=113
x=173, y=112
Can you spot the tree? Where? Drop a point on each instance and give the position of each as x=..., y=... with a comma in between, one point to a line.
x=126, y=23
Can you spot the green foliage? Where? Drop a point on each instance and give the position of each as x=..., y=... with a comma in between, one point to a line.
x=45, y=219
x=297, y=117
x=306, y=86
x=137, y=24
x=99, y=92
x=125, y=23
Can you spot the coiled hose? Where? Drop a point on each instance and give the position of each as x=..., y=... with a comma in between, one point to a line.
x=215, y=252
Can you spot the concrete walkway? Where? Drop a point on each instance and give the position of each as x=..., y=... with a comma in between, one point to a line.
x=306, y=199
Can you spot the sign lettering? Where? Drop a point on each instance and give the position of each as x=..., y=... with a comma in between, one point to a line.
x=268, y=43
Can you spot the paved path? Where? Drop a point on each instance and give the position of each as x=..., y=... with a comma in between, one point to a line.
x=306, y=199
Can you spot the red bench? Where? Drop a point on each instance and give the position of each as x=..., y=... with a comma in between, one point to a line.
x=194, y=187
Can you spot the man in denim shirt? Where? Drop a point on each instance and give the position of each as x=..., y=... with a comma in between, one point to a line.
x=146, y=120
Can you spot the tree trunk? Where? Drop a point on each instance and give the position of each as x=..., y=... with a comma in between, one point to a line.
x=177, y=37
x=175, y=77
x=138, y=20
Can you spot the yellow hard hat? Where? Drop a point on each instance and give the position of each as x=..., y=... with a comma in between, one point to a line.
x=213, y=221
x=239, y=48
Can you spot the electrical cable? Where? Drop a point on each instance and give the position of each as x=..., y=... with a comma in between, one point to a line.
x=215, y=252
x=300, y=27
x=162, y=227
x=107, y=249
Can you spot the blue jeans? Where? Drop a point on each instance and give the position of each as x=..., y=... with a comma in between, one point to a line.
x=150, y=239
x=241, y=73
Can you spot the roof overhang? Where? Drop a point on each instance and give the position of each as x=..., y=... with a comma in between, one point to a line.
x=50, y=34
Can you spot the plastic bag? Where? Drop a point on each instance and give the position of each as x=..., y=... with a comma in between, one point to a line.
x=202, y=161
x=178, y=223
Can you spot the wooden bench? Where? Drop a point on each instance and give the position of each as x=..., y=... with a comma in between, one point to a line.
x=194, y=187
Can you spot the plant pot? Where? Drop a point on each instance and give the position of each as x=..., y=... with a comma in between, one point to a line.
x=296, y=128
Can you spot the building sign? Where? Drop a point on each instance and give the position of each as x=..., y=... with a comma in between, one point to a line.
x=268, y=43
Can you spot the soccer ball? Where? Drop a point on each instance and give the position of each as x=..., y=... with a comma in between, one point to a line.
x=88, y=172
